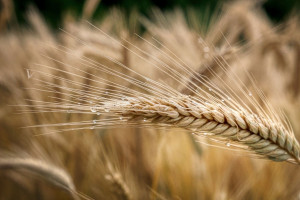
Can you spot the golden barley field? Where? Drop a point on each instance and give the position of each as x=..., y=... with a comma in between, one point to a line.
x=170, y=106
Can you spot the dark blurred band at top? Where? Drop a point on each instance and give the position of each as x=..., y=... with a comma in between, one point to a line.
x=53, y=10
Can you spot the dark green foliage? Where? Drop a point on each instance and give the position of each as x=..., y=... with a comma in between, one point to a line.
x=53, y=10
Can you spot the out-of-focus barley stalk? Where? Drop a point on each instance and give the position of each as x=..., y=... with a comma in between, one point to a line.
x=45, y=170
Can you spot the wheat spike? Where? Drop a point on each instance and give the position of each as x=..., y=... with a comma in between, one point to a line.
x=261, y=131
x=253, y=127
x=261, y=135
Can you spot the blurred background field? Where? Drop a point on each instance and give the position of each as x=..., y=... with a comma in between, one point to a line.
x=131, y=162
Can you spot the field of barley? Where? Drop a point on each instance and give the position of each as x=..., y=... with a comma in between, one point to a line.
x=172, y=105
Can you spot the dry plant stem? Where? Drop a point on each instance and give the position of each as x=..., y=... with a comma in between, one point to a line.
x=206, y=69
x=296, y=81
x=6, y=13
x=260, y=135
x=119, y=186
x=89, y=8
x=51, y=173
